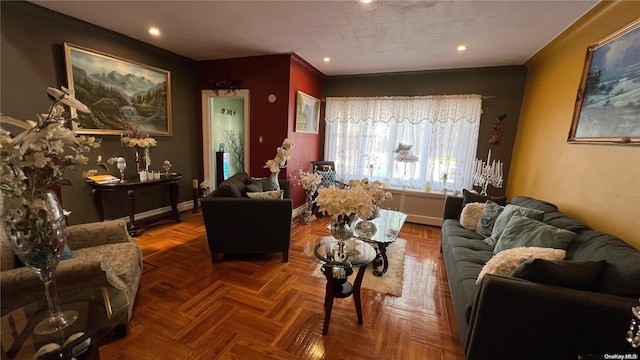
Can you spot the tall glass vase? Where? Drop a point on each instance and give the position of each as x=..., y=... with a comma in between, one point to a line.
x=36, y=228
x=143, y=158
x=274, y=180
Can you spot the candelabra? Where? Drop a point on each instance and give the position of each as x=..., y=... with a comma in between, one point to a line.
x=487, y=173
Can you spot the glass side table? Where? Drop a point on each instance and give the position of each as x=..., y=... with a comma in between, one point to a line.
x=99, y=311
x=388, y=226
x=358, y=254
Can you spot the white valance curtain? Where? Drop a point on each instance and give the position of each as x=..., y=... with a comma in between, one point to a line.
x=362, y=134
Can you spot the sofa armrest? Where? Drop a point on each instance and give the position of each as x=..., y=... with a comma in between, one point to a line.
x=518, y=319
x=97, y=233
x=452, y=207
x=21, y=286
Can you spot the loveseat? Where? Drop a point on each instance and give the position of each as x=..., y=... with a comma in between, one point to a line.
x=104, y=255
x=572, y=308
x=238, y=224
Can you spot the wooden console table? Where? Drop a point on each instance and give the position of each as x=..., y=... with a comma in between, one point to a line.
x=130, y=186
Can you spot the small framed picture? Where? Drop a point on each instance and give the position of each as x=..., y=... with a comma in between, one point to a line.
x=307, y=113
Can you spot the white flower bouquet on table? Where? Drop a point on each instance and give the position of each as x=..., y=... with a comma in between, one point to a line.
x=345, y=205
x=373, y=188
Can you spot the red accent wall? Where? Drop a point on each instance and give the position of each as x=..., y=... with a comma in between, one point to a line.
x=282, y=75
x=309, y=80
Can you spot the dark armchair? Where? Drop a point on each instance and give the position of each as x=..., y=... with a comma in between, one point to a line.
x=242, y=225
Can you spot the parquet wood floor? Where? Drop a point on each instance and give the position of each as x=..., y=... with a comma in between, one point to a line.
x=257, y=307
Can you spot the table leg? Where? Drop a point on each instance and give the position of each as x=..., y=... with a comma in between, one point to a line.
x=328, y=299
x=356, y=292
x=382, y=247
x=96, y=195
x=173, y=191
x=131, y=194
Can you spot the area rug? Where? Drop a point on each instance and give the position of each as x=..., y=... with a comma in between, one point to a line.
x=391, y=281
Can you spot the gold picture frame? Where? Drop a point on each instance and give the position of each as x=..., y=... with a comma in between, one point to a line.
x=115, y=88
x=607, y=109
x=307, y=113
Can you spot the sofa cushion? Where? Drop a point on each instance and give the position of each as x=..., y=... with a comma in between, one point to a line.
x=235, y=186
x=254, y=185
x=532, y=203
x=271, y=195
x=470, y=215
x=469, y=197
x=327, y=177
x=522, y=231
x=621, y=275
x=490, y=213
x=505, y=216
x=506, y=261
x=579, y=275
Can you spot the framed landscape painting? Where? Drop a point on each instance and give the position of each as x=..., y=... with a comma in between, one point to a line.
x=607, y=109
x=307, y=113
x=116, y=89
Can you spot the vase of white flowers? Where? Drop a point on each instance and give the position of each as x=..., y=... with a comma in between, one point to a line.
x=280, y=161
x=344, y=206
x=32, y=162
x=310, y=183
x=366, y=228
x=141, y=143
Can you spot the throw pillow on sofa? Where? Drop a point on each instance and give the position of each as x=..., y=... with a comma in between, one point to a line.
x=470, y=215
x=471, y=197
x=270, y=195
x=490, y=213
x=505, y=216
x=522, y=231
x=579, y=275
x=506, y=261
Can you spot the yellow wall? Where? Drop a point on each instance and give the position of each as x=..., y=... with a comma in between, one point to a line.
x=597, y=184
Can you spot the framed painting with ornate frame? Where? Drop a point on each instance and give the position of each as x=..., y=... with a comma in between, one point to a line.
x=607, y=109
x=114, y=88
x=307, y=113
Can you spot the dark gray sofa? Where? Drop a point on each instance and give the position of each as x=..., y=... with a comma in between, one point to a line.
x=237, y=224
x=509, y=318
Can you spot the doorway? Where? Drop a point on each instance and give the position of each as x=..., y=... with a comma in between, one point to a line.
x=225, y=129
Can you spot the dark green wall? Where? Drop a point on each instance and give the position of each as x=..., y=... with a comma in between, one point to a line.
x=503, y=87
x=32, y=59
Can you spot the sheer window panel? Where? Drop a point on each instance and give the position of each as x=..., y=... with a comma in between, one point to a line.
x=362, y=135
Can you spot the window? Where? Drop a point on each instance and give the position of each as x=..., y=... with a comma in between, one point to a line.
x=363, y=137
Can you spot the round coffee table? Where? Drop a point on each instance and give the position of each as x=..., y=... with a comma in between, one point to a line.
x=357, y=254
x=99, y=311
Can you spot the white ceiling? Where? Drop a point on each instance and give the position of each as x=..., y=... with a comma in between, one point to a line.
x=385, y=36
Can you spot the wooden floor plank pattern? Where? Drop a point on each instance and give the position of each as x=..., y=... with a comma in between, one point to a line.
x=257, y=307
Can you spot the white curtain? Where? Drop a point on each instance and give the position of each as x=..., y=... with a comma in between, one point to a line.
x=362, y=134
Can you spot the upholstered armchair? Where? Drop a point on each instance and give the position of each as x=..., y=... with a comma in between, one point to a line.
x=104, y=255
x=237, y=224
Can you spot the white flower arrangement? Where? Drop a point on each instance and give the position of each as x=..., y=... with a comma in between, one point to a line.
x=282, y=155
x=34, y=159
x=344, y=205
x=309, y=181
x=373, y=188
x=132, y=137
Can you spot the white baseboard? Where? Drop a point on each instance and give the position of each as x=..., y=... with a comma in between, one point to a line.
x=183, y=206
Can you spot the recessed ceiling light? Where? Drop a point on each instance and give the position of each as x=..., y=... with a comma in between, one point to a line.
x=154, y=31
x=462, y=47
x=326, y=59
x=366, y=1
